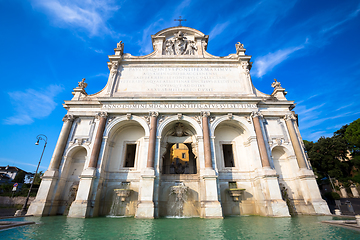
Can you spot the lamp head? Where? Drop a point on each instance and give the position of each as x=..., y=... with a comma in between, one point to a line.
x=37, y=143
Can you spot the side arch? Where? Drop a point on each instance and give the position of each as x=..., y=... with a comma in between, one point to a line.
x=235, y=120
x=109, y=128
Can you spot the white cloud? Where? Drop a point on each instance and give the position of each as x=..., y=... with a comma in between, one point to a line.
x=266, y=63
x=86, y=14
x=32, y=104
x=337, y=24
x=218, y=29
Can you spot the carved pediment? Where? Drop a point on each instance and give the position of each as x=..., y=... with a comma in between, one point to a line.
x=180, y=41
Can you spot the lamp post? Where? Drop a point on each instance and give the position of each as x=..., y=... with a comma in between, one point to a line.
x=39, y=137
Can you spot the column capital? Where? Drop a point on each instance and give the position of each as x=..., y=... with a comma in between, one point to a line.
x=205, y=113
x=101, y=115
x=289, y=116
x=68, y=118
x=255, y=114
x=154, y=113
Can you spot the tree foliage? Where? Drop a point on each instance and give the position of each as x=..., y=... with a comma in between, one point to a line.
x=352, y=136
x=37, y=178
x=337, y=156
x=20, y=177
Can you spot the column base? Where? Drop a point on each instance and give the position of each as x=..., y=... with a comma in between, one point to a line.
x=211, y=209
x=42, y=205
x=278, y=208
x=83, y=205
x=145, y=210
x=39, y=208
x=321, y=207
x=80, y=209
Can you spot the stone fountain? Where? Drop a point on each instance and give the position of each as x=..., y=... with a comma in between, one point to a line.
x=178, y=198
x=119, y=204
x=236, y=193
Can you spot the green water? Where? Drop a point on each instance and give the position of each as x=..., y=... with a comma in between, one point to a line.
x=251, y=227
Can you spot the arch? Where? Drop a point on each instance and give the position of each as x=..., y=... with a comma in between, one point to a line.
x=74, y=148
x=282, y=165
x=114, y=124
x=194, y=124
x=285, y=149
x=172, y=30
x=236, y=120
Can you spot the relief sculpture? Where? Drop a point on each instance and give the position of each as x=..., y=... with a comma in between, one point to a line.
x=180, y=45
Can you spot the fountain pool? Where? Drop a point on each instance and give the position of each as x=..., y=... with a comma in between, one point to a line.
x=244, y=227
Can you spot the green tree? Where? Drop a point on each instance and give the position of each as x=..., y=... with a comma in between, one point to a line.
x=37, y=178
x=20, y=177
x=352, y=136
x=328, y=156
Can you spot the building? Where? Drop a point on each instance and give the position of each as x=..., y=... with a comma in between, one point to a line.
x=8, y=174
x=243, y=149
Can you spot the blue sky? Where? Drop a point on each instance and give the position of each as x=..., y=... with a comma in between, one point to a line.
x=47, y=46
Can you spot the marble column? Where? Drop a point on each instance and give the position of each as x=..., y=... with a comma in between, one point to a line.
x=260, y=139
x=273, y=204
x=84, y=203
x=295, y=140
x=44, y=204
x=210, y=205
x=61, y=143
x=145, y=207
x=206, y=136
x=98, y=140
x=152, y=140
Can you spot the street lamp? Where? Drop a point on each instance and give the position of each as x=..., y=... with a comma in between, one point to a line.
x=39, y=137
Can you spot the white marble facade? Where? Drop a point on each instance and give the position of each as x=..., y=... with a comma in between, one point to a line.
x=238, y=138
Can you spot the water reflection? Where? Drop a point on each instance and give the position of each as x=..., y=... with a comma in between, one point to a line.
x=252, y=227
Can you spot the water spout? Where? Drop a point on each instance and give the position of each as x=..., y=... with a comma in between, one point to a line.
x=119, y=204
x=177, y=199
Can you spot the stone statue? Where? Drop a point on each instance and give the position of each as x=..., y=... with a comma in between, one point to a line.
x=119, y=48
x=239, y=47
x=82, y=84
x=276, y=84
x=120, y=45
x=180, y=43
x=191, y=48
x=169, y=47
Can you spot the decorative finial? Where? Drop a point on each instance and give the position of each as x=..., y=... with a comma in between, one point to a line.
x=119, y=50
x=276, y=84
x=240, y=50
x=180, y=19
x=82, y=84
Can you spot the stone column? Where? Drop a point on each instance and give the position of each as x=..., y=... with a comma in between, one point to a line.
x=260, y=140
x=98, y=140
x=44, y=205
x=145, y=207
x=152, y=139
x=206, y=136
x=210, y=205
x=273, y=204
x=295, y=140
x=84, y=204
x=61, y=143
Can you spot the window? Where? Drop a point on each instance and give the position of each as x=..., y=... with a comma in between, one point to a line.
x=130, y=155
x=183, y=155
x=228, y=155
x=177, y=146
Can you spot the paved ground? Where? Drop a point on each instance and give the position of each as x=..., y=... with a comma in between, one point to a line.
x=7, y=212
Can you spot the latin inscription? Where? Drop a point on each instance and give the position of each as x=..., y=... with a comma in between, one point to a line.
x=179, y=105
x=180, y=79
